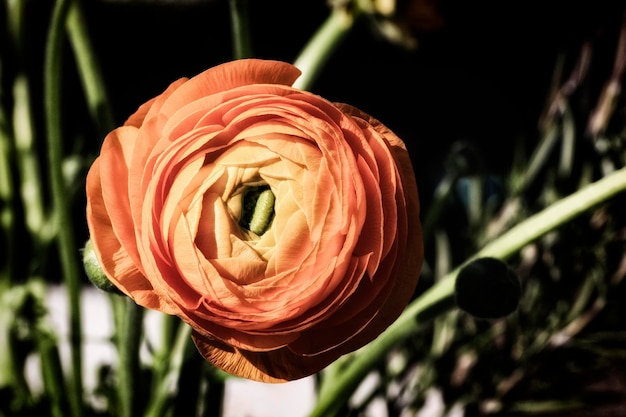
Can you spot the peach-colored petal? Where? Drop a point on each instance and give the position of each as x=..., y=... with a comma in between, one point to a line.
x=231, y=75
x=113, y=257
x=271, y=367
x=114, y=161
x=335, y=267
x=137, y=118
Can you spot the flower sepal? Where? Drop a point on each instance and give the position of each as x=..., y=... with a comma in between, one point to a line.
x=94, y=271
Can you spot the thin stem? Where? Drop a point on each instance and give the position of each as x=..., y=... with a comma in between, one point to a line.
x=51, y=371
x=441, y=196
x=539, y=158
x=15, y=24
x=556, y=215
x=7, y=203
x=161, y=396
x=242, y=45
x=441, y=295
x=162, y=356
x=12, y=360
x=29, y=163
x=65, y=238
x=319, y=48
x=89, y=69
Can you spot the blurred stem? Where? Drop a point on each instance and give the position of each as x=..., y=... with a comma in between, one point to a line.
x=163, y=355
x=89, y=69
x=440, y=198
x=68, y=251
x=198, y=387
x=7, y=203
x=443, y=325
x=29, y=165
x=539, y=158
x=28, y=162
x=556, y=215
x=161, y=396
x=568, y=143
x=51, y=370
x=242, y=44
x=320, y=47
x=129, y=328
x=475, y=208
x=15, y=15
x=335, y=392
x=12, y=355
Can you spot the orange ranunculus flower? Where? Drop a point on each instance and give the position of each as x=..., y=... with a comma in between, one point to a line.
x=282, y=227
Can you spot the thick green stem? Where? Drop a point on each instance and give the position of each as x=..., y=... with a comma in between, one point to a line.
x=129, y=328
x=319, y=49
x=89, y=70
x=242, y=45
x=441, y=295
x=68, y=250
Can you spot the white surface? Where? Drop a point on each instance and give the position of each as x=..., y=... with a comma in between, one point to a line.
x=244, y=398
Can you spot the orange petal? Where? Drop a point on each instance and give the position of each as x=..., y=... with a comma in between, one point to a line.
x=114, y=161
x=388, y=304
x=137, y=118
x=275, y=366
x=113, y=257
x=231, y=75
x=148, y=135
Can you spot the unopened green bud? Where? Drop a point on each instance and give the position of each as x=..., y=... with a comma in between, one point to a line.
x=258, y=209
x=94, y=271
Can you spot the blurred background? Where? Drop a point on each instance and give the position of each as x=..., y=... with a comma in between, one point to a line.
x=507, y=99
x=437, y=72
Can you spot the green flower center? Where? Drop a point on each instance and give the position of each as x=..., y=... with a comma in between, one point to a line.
x=257, y=209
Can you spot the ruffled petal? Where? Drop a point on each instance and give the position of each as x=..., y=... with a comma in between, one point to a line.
x=115, y=261
x=340, y=260
x=228, y=76
x=152, y=105
x=114, y=161
x=277, y=366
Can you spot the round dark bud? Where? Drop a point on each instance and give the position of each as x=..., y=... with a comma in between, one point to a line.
x=487, y=288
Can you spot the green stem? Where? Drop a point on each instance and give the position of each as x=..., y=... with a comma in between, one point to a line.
x=89, y=69
x=52, y=371
x=242, y=45
x=29, y=164
x=441, y=295
x=7, y=203
x=68, y=250
x=129, y=331
x=162, y=395
x=162, y=357
x=15, y=24
x=539, y=158
x=320, y=47
x=12, y=358
x=556, y=215
x=441, y=197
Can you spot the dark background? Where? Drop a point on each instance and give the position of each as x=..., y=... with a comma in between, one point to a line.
x=482, y=74
x=481, y=71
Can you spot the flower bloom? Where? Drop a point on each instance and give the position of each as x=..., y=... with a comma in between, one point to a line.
x=283, y=228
